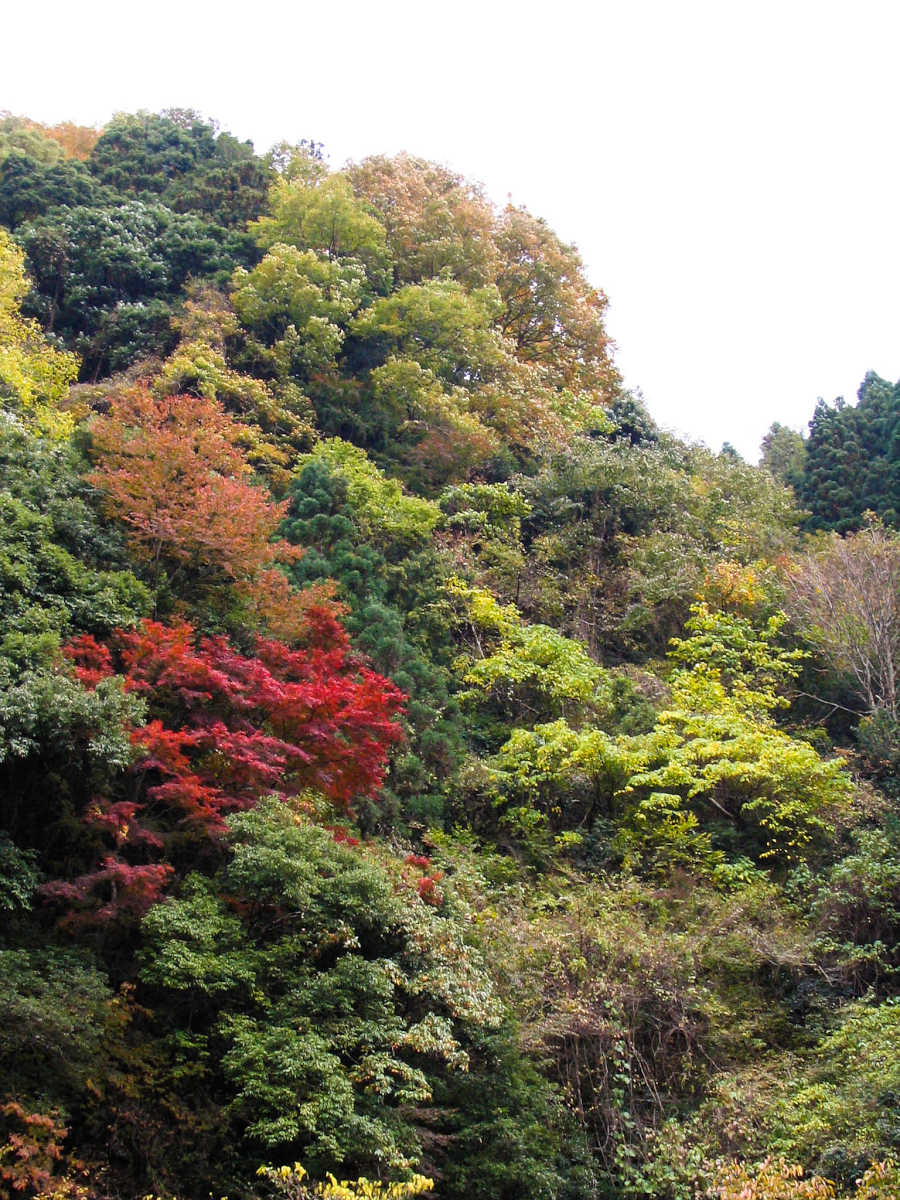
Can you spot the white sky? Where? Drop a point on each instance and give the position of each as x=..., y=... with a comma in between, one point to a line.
x=729, y=170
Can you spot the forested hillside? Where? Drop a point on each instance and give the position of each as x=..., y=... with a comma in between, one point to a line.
x=418, y=771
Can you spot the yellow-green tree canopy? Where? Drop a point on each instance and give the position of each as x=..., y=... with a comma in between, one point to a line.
x=34, y=375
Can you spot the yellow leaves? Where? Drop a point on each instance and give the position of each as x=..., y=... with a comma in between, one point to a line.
x=32, y=372
x=731, y=585
x=775, y=1180
x=289, y=1181
x=880, y=1182
x=483, y=610
x=296, y=1171
x=367, y=1189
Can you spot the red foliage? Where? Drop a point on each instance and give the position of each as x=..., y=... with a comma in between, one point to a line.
x=128, y=890
x=342, y=835
x=32, y=1154
x=92, y=660
x=418, y=860
x=226, y=729
x=428, y=889
x=426, y=885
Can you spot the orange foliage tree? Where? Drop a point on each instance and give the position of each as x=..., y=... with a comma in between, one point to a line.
x=77, y=141
x=173, y=472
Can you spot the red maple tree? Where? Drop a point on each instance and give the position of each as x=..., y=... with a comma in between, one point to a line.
x=224, y=730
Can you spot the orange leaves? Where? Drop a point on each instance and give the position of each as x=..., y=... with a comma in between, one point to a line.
x=551, y=312
x=173, y=474
x=32, y=1155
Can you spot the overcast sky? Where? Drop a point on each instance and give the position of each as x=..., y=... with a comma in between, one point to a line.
x=728, y=170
